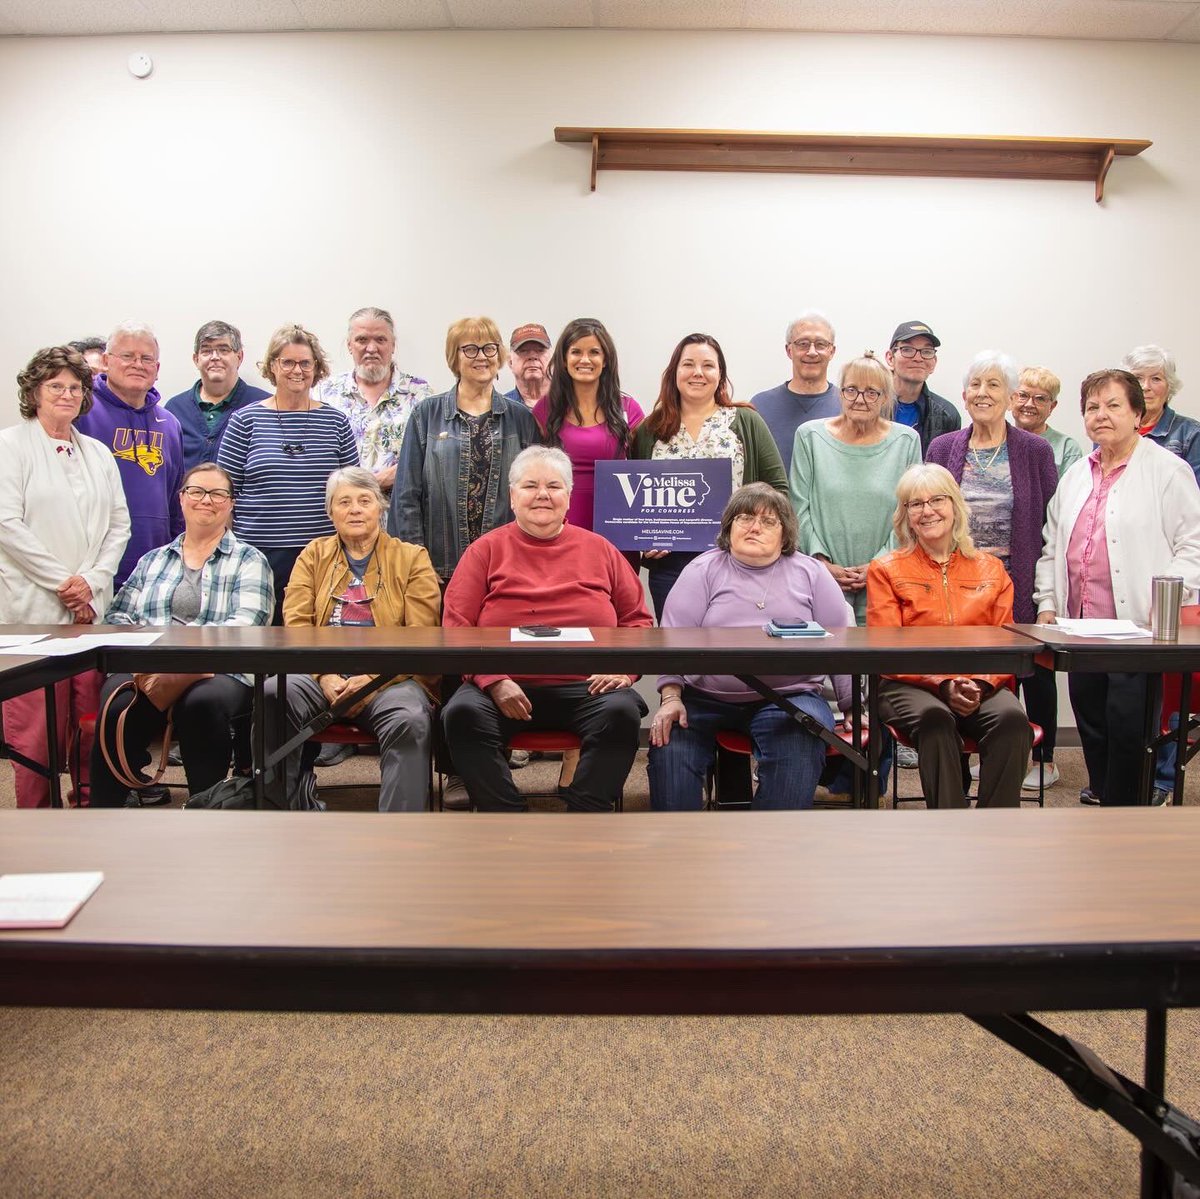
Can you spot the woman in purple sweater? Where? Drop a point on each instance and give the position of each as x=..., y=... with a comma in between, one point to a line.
x=1007, y=477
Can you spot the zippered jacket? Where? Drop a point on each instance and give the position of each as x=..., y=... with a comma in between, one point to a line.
x=907, y=588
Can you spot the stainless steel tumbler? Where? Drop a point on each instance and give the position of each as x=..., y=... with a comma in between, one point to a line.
x=1166, y=594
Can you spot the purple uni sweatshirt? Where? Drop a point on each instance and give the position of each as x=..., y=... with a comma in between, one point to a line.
x=147, y=444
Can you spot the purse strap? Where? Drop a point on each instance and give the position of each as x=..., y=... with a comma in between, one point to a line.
x=120, y=769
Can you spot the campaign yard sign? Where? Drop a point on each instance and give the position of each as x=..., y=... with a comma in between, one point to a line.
x=662, y=503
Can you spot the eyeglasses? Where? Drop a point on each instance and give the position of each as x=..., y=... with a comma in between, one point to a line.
x=928, y=353
x=128, y=359
x=488, y=350
x=871, y=394
x=934, y=501
x=744, y=520
x=1027, y=397
x=218, y=495
x=214, y=351
x=58, y=390
x=288, y=365
x=804, y=344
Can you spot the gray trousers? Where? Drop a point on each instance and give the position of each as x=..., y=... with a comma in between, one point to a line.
x=400, y=719
x=999, y=726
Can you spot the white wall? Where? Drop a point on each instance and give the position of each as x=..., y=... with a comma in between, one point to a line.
x=296, y=177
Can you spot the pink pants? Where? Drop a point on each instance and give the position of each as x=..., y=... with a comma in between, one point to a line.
x=25, y=731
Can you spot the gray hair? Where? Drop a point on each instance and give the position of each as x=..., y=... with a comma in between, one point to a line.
x=212, y=330
x=134, y=329
x=372, y=314
x=810, y=314
x=540, y=453
x=352, y=476
x=1148, y=358
x=1003, y=362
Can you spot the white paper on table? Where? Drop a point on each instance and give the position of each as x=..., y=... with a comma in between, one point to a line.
x=563, y=635
x=20, y=638
x=45, y=900
x=57, y=647
x=1117, y=629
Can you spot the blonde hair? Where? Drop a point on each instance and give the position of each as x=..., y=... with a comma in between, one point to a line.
x=481, y=327
x=1040, y=377
x=932, y=480
x=294, y=335
x=878, y=376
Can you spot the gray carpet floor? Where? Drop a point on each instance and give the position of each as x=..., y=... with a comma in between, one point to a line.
x=118, y=1103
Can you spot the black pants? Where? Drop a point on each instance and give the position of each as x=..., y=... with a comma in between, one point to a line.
x=203, y=716
x=1110, y=712
x=281, y=560
x=607, y=726
x=1041, y=703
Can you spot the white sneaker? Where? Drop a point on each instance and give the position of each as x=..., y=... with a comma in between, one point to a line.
x=975, y=772
x=1030, y=782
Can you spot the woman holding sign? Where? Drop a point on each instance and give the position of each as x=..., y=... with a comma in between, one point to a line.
x=695, y=417
x=585, y=413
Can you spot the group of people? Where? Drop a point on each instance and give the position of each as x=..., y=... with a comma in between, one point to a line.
x=366, y=499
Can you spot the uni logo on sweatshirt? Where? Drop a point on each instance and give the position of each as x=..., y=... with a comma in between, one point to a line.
x=132, y=446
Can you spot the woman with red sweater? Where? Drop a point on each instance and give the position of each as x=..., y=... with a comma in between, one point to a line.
x=539, y=570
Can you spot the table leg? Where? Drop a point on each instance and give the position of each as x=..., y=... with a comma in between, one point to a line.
x=859, y=792
x=52, y=763
x=1149, y=737
x=1157, y=1179
x=1181, y=736
x=258, y=742
x=874, y=741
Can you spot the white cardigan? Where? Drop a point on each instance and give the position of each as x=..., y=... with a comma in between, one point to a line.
x=45, y=535
x=1152, y=525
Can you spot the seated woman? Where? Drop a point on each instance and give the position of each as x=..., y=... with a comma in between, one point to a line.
x=754, y=575
x=204, y=577
x=938, y=577
x=362, y=577
x=540, y=570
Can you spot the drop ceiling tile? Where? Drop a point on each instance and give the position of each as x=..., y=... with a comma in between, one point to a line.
x=1118, y=19
x=374, y=14
x=225, y=16
x=36, y=18
x=1189, y=29
x=668, y=14
x=520, y=14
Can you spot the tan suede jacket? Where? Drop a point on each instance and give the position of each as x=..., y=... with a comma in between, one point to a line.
x=400, y=579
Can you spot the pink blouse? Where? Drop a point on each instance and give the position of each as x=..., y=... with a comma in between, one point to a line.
x=586, y=447
x=1089, y=579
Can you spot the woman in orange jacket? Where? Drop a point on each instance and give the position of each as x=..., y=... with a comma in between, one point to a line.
x=938, y=577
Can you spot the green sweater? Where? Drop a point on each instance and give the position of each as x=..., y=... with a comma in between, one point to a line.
x=844, y=495
x=762, y=461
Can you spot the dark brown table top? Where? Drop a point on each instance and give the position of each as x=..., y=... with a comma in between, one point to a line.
x=1103, y=653
x=729, y=912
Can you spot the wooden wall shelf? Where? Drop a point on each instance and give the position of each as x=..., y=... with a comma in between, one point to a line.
x=852, y=153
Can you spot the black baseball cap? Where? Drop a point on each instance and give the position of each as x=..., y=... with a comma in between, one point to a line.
x=911, y=329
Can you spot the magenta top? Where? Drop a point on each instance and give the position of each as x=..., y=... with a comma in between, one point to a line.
x=1089, y=579
x=586, y=447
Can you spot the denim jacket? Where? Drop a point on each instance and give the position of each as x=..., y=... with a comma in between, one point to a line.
x=1180, y=435
x=429, y=498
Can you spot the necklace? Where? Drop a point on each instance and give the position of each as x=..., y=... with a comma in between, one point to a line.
x=290, y=448
x=760, y=604
x=977, y=455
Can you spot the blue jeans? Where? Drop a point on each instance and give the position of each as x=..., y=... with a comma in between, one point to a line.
x=789, y=757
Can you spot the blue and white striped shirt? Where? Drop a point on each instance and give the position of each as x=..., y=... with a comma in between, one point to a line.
x=280, y=497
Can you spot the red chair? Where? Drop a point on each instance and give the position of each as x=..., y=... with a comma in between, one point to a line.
x=1189, y=614
x=969, y=747
x=740, y=743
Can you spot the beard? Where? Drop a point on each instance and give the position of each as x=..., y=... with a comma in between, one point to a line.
x=373, y=372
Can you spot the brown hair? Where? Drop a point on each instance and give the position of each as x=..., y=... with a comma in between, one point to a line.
x=294, y=335
x=667, y=416
x=42, y=367
x=1132, y=388
x=753, y=499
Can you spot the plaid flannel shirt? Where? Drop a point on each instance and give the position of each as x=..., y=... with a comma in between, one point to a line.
x=235, y=588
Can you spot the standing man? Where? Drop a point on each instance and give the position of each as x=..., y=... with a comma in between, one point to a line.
x=529, y=360
x=204, y=409
x=376, y=396
x=128, y=417
x=92, y=349
x=808, y=394
x=913, y=358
